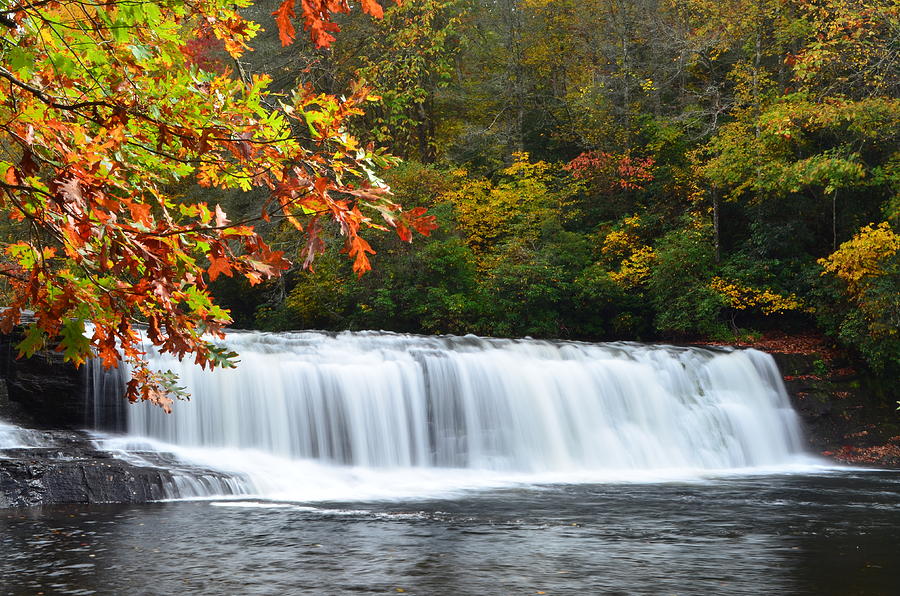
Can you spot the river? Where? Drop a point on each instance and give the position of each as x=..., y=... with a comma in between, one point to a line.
x=375, y=463
x=832, y=532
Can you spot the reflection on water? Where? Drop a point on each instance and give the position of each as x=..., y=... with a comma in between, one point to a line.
x=826, y=534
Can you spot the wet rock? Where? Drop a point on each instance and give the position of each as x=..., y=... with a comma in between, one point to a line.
x=29, y=482
x=848, y=417
x=45, y=391
x=68, y=468
x=49, y=391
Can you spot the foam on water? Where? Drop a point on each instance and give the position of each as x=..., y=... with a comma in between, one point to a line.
x=356, y=416
x=16, y=437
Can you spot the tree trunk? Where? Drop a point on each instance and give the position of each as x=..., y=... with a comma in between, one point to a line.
x=425, y=133
x=834, y=220
x=715, y=199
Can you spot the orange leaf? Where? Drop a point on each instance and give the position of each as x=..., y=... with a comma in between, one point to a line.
x=238, y=231
x=140, y=212
x=218, y=265
x=357, y=248
x=159, y=398
x=373, y=8
x=403, y=232
x=286, y=31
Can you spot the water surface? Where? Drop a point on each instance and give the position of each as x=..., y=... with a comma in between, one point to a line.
x=829, y=533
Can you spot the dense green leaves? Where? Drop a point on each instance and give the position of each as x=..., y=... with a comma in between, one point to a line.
x=629, y=170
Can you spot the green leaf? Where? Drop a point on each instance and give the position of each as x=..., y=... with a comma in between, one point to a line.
x=64, y=64
x=152, y=13
x=75, y=346
x=121, y=31
x=20, y=61
x=34, y=341
x=141, y=52
x=222, y=357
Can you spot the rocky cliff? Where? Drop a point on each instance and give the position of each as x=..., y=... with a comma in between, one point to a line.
x=849, y=417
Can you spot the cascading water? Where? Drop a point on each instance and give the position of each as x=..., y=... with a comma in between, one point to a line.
x=384, y=402
x=15, y=437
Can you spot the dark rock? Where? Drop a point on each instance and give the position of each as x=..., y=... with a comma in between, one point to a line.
x=47, y=392
x=70, y=469
x=50, y=391
x=25, y=483
x=848, y=416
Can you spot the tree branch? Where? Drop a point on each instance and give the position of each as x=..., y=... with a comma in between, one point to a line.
x=50, y=101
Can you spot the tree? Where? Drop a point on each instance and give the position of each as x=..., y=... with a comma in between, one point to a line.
x=105, y=115
x=526, y=195
x=407, y=57
x=865, y=274
x=679, y=284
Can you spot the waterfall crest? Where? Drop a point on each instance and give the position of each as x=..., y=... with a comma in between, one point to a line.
x=383, y=400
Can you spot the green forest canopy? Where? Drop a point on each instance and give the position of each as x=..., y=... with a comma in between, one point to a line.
x=618, y=170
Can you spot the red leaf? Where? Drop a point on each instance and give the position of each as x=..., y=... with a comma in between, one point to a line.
x=373, y=8
x=218, y=265
x=314, y=244
x=286, y=31
x=423, y=224
x=153, y=331
x=403, y=232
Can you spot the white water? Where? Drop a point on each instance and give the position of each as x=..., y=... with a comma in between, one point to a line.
x=15, y=437
x=313, y=416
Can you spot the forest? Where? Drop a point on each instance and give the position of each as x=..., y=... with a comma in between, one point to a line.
x=608, y=170
x=651, y=170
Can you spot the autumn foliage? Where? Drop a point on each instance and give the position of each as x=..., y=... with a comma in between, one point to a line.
x=687, y=171
x=612, y=172
x=317, y=18
x=105, y=111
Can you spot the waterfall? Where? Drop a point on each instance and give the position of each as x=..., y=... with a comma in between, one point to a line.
x=15, y=437
x=391, y=401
